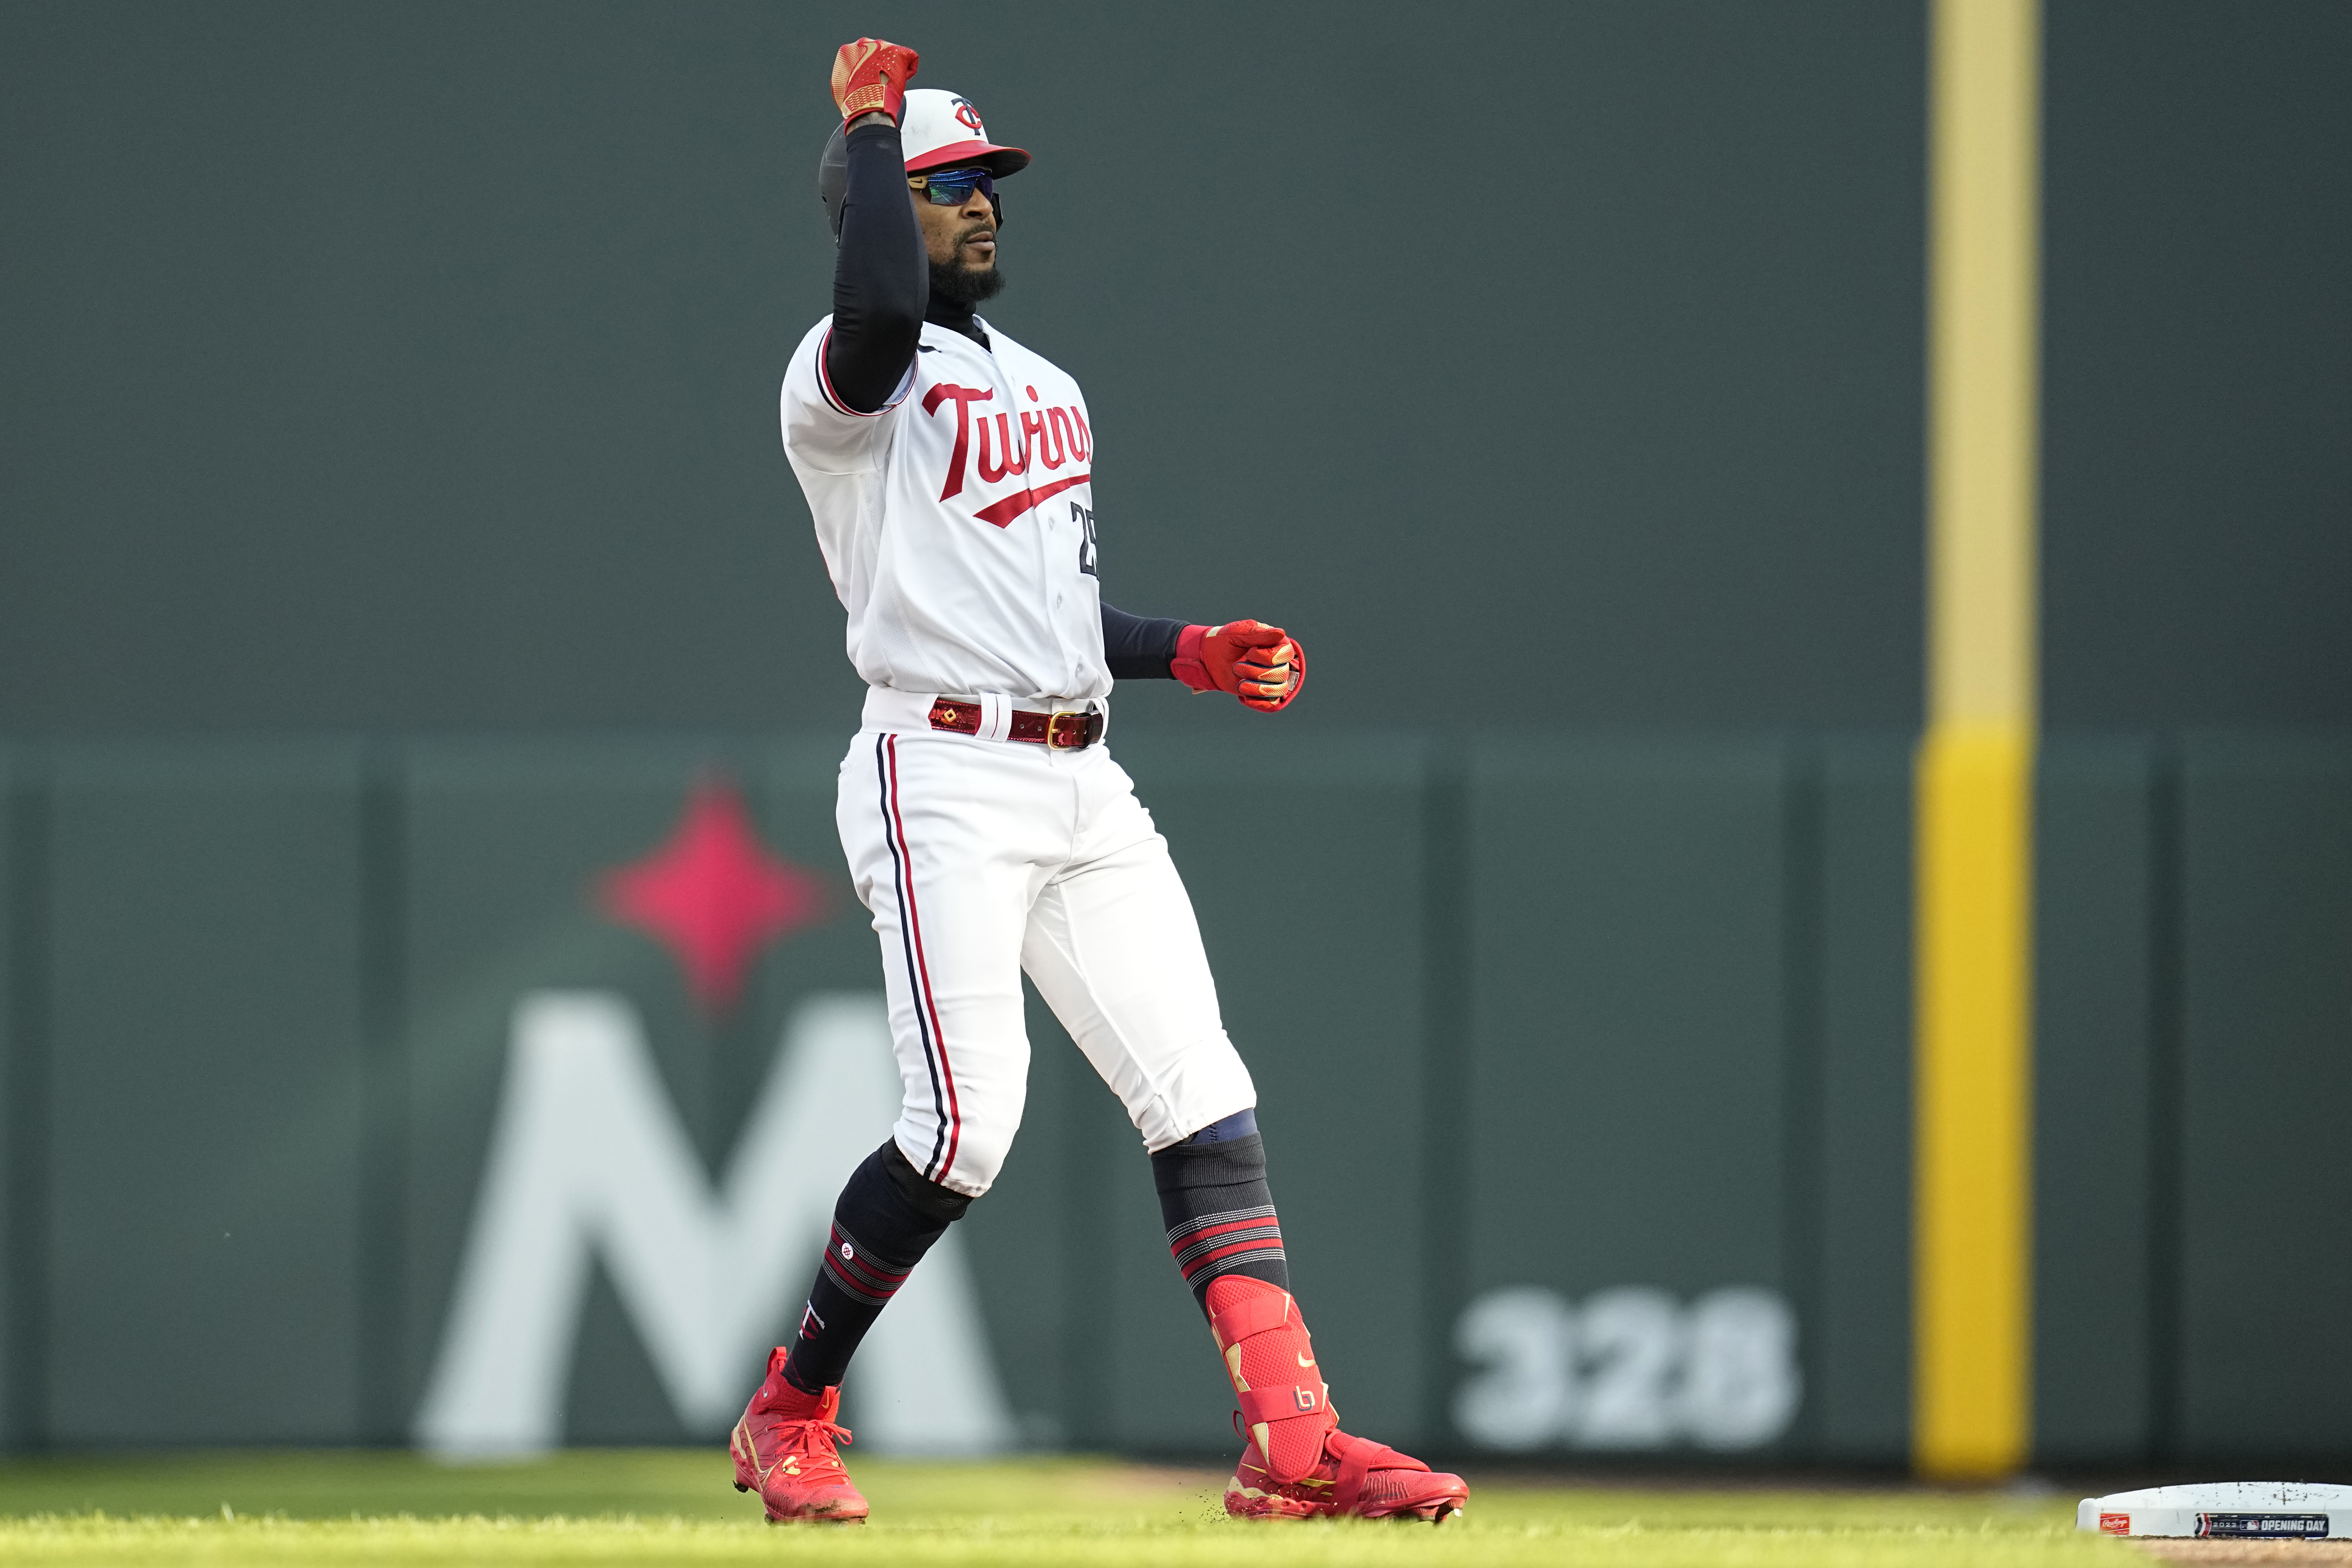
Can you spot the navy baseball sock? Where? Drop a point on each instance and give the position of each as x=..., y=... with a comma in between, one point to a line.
x=1218, y=1207
x=886, y=1219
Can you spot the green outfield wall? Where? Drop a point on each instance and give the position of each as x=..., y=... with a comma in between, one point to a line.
x=402, y=369
x=1583, y=1062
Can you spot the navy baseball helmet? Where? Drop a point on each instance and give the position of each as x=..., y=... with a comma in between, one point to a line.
x=941, y=130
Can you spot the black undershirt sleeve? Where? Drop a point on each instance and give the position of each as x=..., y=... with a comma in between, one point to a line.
x=881, y=277
x=881, y=287
x=1138, y=647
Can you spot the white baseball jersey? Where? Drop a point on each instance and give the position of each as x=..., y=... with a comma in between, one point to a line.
x=957, y=521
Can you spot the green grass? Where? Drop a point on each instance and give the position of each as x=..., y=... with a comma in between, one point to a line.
x=611, y=1507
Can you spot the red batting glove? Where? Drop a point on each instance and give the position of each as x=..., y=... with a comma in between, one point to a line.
x=1261, y=665
x=872, y=74
x=1271, y=677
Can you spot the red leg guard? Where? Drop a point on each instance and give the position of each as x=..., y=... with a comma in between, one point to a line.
x=1286, y=1406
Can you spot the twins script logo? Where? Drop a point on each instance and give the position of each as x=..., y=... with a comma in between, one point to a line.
x=1051, y=437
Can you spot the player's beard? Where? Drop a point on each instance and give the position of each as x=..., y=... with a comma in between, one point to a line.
x=952, y=280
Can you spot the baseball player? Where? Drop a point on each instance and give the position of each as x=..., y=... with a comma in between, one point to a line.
x=949, y=471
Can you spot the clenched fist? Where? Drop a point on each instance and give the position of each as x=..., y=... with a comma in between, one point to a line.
x=872, y=74
x=1261, y=665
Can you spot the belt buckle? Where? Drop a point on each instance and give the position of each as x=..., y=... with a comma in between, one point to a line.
x=1067, y=732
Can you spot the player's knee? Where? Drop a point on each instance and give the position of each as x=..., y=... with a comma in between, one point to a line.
x=966, y=1164
x=979, y=1157
x=922, y=1202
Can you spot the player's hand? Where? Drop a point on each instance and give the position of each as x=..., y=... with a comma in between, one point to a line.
x=871, y=75
x=1270, y=675
x=1261, y=665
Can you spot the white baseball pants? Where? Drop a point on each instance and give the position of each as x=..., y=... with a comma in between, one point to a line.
x=980, y=859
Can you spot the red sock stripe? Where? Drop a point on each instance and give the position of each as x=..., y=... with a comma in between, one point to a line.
x=857, y=1273
x=1267, y=1247
x=1195, y=1237
x=866, y=1265
x=1248, y=1254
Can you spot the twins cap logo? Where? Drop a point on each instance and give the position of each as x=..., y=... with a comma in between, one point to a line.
x=970, y=116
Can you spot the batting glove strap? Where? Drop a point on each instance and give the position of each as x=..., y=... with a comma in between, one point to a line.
x=1188, y=665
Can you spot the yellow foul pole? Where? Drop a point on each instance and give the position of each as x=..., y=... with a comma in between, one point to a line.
x=1971, y=1387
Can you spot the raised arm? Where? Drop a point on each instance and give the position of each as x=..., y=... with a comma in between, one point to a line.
x=881, y=277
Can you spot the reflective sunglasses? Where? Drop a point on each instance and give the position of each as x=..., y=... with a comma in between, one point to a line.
x=953, y=187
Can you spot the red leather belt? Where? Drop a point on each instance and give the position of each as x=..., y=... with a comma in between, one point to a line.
x=1063, y=732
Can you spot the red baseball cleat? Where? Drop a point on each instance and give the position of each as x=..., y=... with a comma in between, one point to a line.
x=784, y=1447
x=1299, y=1465
x=1356, y=1477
